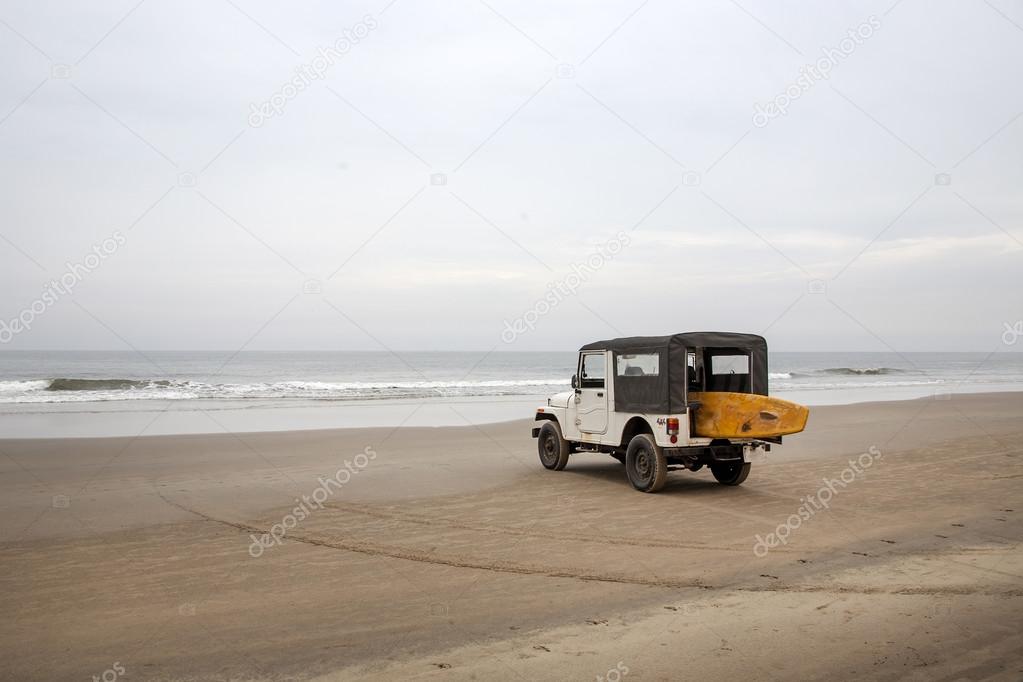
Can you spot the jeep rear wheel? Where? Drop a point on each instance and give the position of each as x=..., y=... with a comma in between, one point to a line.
x=552, y=446
x=730, y=474
x=645, y=464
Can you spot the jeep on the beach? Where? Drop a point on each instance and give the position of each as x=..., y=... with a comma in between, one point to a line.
x=638, y=400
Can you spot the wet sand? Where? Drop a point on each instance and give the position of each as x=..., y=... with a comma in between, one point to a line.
x=449, y=553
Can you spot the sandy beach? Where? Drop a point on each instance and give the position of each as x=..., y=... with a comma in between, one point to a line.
x=450, y=553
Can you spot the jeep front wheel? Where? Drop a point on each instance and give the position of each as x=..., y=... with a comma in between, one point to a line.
x=730, y=474
x=645, y=464
x=552, y=446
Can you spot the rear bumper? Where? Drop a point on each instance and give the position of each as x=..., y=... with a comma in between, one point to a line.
x=706, y=453
x=709, y=454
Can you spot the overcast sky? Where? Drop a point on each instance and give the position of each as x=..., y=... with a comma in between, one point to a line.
x=881, y=210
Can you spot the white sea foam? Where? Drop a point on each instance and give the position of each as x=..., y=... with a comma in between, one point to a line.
x=103, y=390
x=834, y=385
x=19, y=387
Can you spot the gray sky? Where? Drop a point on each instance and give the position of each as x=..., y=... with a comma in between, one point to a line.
x=895, y=181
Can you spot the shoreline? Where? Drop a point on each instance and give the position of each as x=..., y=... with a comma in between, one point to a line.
x=69, y=420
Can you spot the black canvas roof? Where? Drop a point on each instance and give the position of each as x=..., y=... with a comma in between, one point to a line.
x=666, y=392
x=685, y=339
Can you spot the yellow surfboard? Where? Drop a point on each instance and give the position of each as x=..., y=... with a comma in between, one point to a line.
x=744, y=415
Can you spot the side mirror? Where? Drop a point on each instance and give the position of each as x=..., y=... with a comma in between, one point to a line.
x=575, y=381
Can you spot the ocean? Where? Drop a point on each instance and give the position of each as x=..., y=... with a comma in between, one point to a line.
x=42, y=392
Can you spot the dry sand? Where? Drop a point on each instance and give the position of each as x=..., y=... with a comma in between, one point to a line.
x=454, y=555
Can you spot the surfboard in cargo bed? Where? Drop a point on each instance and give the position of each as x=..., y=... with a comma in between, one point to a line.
x=745, y=415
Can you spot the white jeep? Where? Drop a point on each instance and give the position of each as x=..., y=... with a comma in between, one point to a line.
x=630, y=399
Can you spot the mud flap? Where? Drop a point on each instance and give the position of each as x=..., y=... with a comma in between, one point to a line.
x=754, y=453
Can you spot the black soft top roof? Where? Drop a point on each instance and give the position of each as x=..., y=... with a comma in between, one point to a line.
x=683, y=340
x=667, y=390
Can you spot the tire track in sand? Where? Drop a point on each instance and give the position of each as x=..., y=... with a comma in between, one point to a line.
x=443, y=522
x=547, y=572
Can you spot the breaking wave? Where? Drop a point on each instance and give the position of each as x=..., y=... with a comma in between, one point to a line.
x=862, y=371
x=73, y=389
x=841, y=372
x=835, y=385
x=103, y=384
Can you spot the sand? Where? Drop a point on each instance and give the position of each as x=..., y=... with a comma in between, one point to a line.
x=450, y=553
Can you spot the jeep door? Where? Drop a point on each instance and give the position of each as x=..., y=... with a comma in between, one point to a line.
x=591, y=392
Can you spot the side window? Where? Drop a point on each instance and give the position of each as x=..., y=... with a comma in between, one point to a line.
x=594, y=368
x=639, y=364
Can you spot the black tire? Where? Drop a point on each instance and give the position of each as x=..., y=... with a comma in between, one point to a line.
x=730, y=474
x=552, y=446
x=645, y=464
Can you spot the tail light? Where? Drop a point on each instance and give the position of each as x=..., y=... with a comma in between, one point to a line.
x=673, y=428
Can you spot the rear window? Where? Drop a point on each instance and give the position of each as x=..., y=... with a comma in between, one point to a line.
x=729, y=364
x=639, y=365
